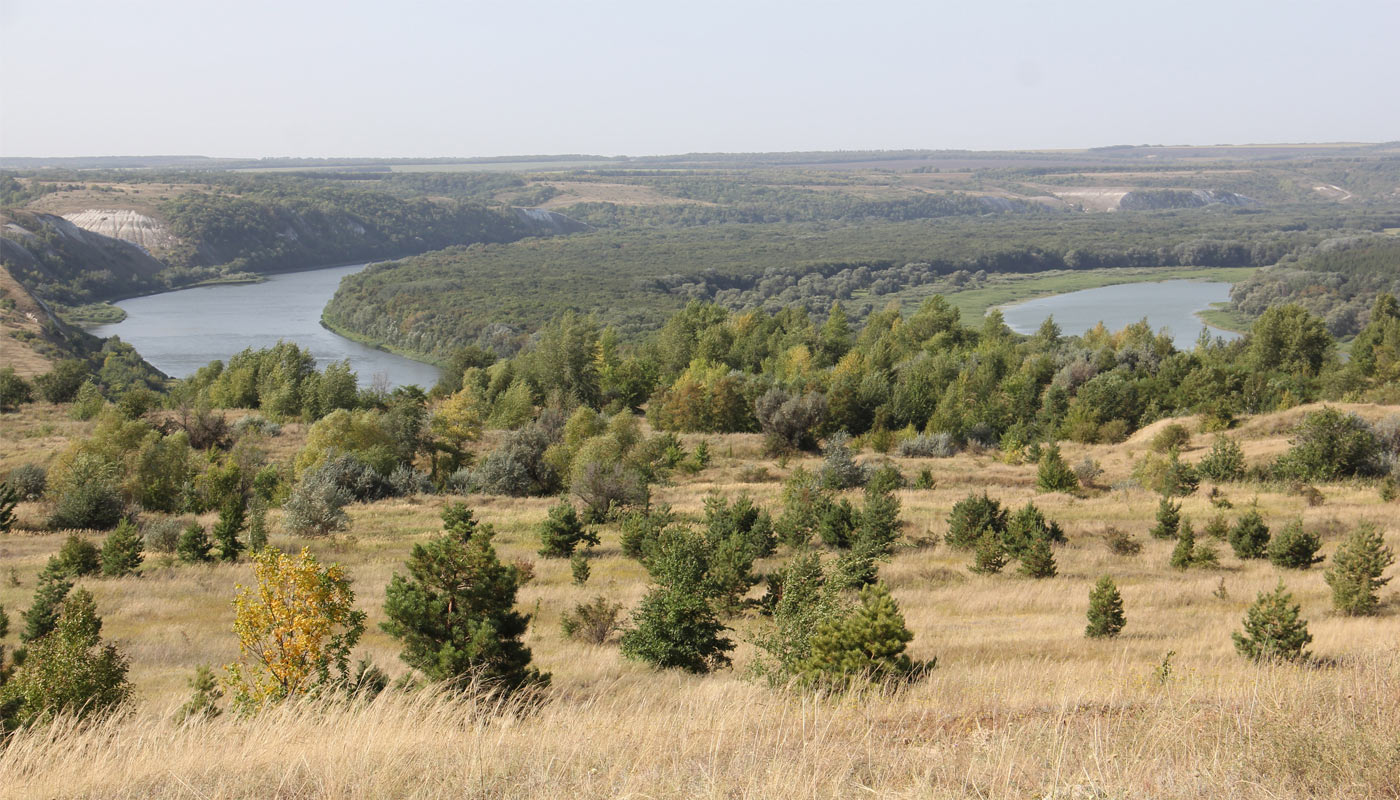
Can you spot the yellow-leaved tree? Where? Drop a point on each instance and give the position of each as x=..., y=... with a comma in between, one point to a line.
x=295, y=625
x=456, y=422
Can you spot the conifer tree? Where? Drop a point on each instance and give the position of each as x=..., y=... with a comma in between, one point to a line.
x=1106, y=618
x=9, y=498
x=1168, y=519
x=454, y=612
x=1273, y=629
x=230, y=524
x=42, y=614
x=1250, y=536
x=122, y=553
x=204, y=703
x=1052, y=473
x=1357, y=566
x=193, y=546
x=868, y=642
x=77, y=557
x=257, y=524
x=1037, y=561
x=676, y=625
x=1184, y=554
x=579, y=568
x=562, y=532
x=990, y=555
x=1294, y=547
x=971, y=516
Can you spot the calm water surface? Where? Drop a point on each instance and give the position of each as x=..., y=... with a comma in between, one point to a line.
x=181, y=331
x=1166, y=304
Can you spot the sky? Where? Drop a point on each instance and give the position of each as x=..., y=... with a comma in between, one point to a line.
x=420, y=78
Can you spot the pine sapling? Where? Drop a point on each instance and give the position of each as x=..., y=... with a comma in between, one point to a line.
x=1168, y=519
x=1106, y=618
x=1273, y=629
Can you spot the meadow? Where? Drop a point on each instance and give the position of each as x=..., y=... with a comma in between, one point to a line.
x=1020, y=703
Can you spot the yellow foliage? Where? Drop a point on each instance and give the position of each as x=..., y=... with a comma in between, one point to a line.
x=293, y=625
x=460, y=418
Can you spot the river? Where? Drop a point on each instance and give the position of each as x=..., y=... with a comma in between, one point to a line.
x=179, y=332
x=1166, y=304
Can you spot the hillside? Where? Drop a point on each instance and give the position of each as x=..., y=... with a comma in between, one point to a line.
x=1020, y=703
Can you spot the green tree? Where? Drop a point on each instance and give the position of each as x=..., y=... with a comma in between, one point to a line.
x=1357, y=566
x=230, y=524
x=193, y=546
x=562, y=532
x=1288, y=339
x=1273, y=629
x=1184, y=554
x=122, y=553
x=68, y=671
x=1294, y=547
x=868, y=642
x=1249, y=538
x=990, y=555
x=676, y=625
x=77, y=558
x=1224, y=462
x=1037, y=561
x=9, y=498
x=971, y=516
x=14, y=390
x=42, y=614
x=204, y=703
x=1329, y=445
x=454, y=612
x=1052, y=473
x=1106, y=618
x=1168, y=519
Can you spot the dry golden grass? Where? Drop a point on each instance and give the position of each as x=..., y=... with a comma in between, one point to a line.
x=1021, y=704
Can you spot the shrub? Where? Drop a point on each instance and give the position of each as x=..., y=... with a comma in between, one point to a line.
x=316, y=506
x=1169, y=476
x=935, y=445
x=14, y=390
x=1122, y=543
x=70, y=671
x=971, y=516
x=1249, y=538
x=258, y=424
x=1168, y=519
x=29, y=481
x=87, y=403
x=77, y=558
x=95, y=505
x=405, y=481
x=592, y=622
x=1087, y=471
x=454, y=613
x=839, y=468
x=1224, y=462
x=676, y=626
x=925, y=480
x=1294, y=547
x=1273, y=629
x=562, y=532
x=1217, y=528
x=1329, y=445
x=194, y=546
x=294, y=625
x=1106, y=618
x=869, y=642
x=1052, y=473
x=122, y=553
x=163, y=535
x=62, y=383
x=801, y=598
x=789, y=423
x=1357, y=566
x=1171, y=437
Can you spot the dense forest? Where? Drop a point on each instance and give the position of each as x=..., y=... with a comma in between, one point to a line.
x=1337, y=281
x=434, y=303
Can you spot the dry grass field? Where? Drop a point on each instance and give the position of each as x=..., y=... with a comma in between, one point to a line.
x=1021, y=704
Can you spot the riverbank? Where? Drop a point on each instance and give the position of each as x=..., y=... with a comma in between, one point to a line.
x=412, y=355
x=975, y=303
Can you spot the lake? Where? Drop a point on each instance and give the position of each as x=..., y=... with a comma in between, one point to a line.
x=1166, y=304
x=179, y=332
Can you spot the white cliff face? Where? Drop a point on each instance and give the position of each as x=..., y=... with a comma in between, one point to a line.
x=130, y=226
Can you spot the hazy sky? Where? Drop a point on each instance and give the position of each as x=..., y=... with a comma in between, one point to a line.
x=406, y=78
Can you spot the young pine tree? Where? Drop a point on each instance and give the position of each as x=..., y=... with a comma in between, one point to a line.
x=1294, y=547
x=1273, y=629
x=1106, y=618
x=1052, y=473
x=230, y=524
x=1184, y=554
x=77, y=557
x=869, y=642
x=990, y=555
x=193, y=546
x=42, y=614
x=257, y=524
x=1250, y=536
x=204, y=702
x=579, y=568
x=1357, y=566
x=562, y=532
x=1037, y=561
x=454, y=612
x=122, y=553
x=1168, y=519
x=676, y=625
